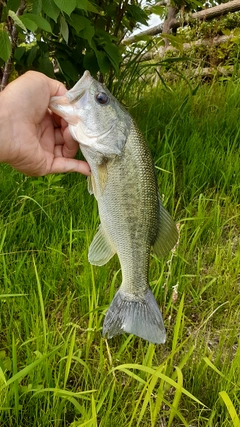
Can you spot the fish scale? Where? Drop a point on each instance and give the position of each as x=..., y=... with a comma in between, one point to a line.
x=133, y=219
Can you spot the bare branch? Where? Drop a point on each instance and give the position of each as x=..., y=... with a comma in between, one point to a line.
x=210, y=71
x=159, y=53
x=206, y=14
x=149, y=32
x=167, y=25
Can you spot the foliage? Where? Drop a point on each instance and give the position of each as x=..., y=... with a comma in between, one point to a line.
x=208, y=29
x=55, y=368
x=200, y=46
x=65, y=37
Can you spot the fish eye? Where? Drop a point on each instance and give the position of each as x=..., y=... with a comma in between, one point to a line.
x=102, y=98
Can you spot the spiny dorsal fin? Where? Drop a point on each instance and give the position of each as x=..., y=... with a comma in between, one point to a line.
x=100, y=250
x=167, y=233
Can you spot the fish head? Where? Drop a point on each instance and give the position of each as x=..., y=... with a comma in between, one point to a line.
x=95, y=118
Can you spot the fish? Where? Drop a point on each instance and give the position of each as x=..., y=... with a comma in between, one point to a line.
x=133, y=220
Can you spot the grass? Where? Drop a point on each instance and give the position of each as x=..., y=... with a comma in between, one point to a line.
x=55, y=368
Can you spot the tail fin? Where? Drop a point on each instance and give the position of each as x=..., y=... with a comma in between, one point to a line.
x=140, y=317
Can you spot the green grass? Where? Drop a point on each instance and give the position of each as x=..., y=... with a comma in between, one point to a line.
x=55, y=368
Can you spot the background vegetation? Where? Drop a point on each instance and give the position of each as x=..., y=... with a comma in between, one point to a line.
x=55, y=368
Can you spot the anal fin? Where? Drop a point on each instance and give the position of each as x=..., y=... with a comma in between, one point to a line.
x=167, y=233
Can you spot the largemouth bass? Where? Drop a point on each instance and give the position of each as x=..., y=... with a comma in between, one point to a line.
x=133, y=219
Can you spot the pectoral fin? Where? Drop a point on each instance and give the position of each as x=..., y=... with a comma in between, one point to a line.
x=101, y=180
x=90, y=184
x=102, y=176
x=167, y=233
x=100, y=250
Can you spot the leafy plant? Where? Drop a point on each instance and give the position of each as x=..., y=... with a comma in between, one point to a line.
x=64, y=37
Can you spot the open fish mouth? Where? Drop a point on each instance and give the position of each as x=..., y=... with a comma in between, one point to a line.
x=80, y=87
x=63, y=106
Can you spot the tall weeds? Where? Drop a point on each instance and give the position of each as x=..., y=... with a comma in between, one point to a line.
x=55, y=368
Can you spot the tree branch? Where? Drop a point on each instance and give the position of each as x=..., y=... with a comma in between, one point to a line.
x=204, y=15
x=159, y=53
x=167, y=25
x=13, y=32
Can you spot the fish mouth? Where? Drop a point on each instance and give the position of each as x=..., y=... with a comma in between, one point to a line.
x=80, y=87
x=63, y=106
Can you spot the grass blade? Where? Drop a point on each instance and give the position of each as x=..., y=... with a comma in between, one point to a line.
x=230, y=407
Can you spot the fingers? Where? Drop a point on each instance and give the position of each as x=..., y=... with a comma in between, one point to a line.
x=71, y=146
x=56, y=88
x=63, y=165
x=65, y=145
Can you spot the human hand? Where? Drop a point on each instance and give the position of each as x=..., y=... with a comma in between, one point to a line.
x=33, y=140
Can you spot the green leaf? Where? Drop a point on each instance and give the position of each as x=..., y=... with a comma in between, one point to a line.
x=103, y=61
x=37, y=7
x=18, y=53
x=32, y=53
x=158, y=10
x=46, y=66
x=92, y=8
x=137, y=14
x=197, y=3
x=16, y=20
x=68, y=69
x=13, y=4
x=39, y=21
x=113, y=54
x=32, y=22
x=43, y=46
x=90, y=62
x=82, y=4
x=80, y=23
x=176, y=41
x=87, y=6
x=29, y=24
x=64, y=29
x=5, y=46
x=236, y=32
x=87, y=33
x=66, y=6
x=82, y=26
x=51, y=9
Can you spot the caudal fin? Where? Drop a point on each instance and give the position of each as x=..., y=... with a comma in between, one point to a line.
x=140, y=317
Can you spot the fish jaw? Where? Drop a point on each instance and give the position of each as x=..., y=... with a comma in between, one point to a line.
x=65, y=106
